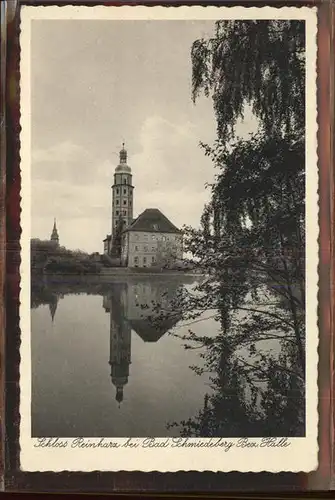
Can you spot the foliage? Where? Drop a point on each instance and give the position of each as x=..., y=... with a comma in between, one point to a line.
x=251, y=243
x=48, y=257
x=166, y=255
x=260, y=63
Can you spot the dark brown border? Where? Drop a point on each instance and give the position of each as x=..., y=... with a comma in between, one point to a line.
x=154, y=482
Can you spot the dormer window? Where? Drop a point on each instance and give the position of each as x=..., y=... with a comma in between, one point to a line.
x=155, y=227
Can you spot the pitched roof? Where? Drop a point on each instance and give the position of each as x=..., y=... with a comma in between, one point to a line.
x=149, y=332
x=152, y=220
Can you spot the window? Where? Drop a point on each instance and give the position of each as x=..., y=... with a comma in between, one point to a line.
x=117, y=202
x=130, y=203
x=145, y=236
x=124, y=212
x=153, y=259
x=153, y=248
x=155, y=227
x=124, y=190
x=125, y=202
x=144, y=261
x=117, y=191
x=153, y=236
x=117, y=212
x=124, y=221
x=145, y=248
x=163, y=238
x=136, y=248
x=136, y=261
x=124, y=181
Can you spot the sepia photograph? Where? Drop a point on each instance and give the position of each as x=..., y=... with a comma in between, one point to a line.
x=170, y=160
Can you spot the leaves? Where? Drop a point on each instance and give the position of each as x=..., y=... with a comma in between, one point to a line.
x=252, y=238
x=260, y=63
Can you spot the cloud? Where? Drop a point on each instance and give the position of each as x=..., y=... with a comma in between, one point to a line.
x=65, y=151
x=70, y=163
x=170, y=157
x=169, y=172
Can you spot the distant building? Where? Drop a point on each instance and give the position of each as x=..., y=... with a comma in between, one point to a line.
x=54, y=234
x=108, y=244
x=150, y=239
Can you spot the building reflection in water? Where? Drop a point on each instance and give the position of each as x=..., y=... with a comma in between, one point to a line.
x=131, y=307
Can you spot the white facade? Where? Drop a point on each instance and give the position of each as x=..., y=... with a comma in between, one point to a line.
x=147, y=249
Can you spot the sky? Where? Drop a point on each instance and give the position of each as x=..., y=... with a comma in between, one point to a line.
x=95, y=84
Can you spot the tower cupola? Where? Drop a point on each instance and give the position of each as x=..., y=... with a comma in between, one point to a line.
x=123, y=154
x=122, y=166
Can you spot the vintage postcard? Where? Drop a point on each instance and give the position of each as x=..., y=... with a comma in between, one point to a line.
x=169, y=271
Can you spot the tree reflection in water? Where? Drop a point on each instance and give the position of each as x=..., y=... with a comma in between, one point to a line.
x=256, y=380
x=257, y=385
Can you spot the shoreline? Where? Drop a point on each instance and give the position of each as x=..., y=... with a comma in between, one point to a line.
x=103, y=277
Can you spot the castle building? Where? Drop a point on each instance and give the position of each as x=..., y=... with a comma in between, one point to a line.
x=150, y=239
x=54, y=235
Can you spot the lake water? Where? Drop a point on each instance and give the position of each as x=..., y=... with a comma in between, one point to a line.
x=100, y=367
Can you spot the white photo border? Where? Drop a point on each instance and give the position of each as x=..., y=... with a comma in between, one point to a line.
x=301, y=455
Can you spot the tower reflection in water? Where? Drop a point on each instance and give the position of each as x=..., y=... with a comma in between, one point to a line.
x=132, y=308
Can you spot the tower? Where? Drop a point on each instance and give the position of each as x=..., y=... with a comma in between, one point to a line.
x=120, y=343
x=54, y=234
x=122, y=193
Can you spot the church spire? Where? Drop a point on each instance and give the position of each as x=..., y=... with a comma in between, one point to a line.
x=54, y=234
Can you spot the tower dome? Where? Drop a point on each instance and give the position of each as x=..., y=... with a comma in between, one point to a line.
x=122, y=166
